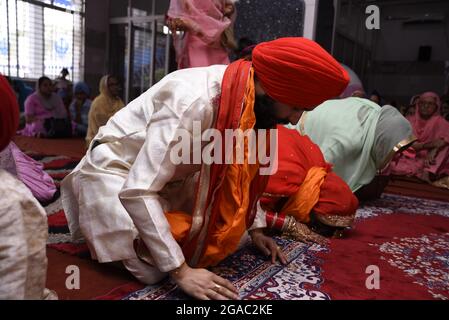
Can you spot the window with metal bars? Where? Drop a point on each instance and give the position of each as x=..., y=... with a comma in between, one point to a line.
x=40, y=37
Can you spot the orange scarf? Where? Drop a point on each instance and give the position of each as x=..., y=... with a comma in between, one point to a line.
x=226, y=193
x=301, y=203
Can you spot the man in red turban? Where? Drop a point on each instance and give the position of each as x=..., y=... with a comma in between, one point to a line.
x=298, y=72
x=293, y=75
x=127, y=188
x=304, y=198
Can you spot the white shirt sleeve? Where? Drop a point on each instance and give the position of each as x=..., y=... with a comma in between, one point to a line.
x=151, y=171
x=23, y=237
x=260, y=221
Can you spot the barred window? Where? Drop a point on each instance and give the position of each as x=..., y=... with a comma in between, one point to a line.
x=40, y=37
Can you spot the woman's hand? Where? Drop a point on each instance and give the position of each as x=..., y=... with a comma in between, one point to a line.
x=203, y=284
x=267, y=245
x=181, y=25
x=228, y=10
x=176, y=24
x=301, y=232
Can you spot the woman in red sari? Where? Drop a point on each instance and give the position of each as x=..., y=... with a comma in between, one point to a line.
x=430, y=161
x=304, y=199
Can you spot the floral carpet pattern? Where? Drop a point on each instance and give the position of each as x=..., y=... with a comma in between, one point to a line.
x=425, y=259
x=257, y=278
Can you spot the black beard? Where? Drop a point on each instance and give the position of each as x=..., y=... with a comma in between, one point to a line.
x=264, y=109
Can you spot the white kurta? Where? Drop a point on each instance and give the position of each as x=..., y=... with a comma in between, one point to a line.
x=129, y=180
x=23, y=237
x=121, y=188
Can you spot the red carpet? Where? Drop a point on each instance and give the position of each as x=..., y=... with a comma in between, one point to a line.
x=75, y=147
x=95, y=279
x=410, y=251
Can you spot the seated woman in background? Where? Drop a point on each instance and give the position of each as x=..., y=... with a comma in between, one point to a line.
x=358, y=137
x=41, y=106
x=304, y=199
x=104, y=106
x=79, y=109
x=431, y=160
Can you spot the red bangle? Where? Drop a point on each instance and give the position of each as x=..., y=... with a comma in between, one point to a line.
x=275, y=220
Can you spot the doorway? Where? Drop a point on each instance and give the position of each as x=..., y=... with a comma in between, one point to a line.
x=139, y=49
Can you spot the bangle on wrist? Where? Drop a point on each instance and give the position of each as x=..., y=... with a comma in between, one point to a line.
x=175, y=272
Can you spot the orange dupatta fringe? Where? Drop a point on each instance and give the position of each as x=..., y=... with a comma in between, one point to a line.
x=300, y=204
x=232, y=204
x=230, y=194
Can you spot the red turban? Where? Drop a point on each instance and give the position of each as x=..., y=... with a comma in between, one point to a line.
x=9, y=113
x=298, y=72
x=297, y=155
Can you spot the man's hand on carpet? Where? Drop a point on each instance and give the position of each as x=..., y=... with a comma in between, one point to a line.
x=203, y=284
x=268, y=246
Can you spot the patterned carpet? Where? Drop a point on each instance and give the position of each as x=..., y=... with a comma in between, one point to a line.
x=405, y=238
x=257, y=278
x=410, y=267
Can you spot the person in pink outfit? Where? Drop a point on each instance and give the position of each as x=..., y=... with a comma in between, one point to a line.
x=430, y=161
x=207, y=27
x=42, y=105
x=29, y=171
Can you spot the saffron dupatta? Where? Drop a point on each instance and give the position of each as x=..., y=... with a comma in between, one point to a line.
x=226, y=193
